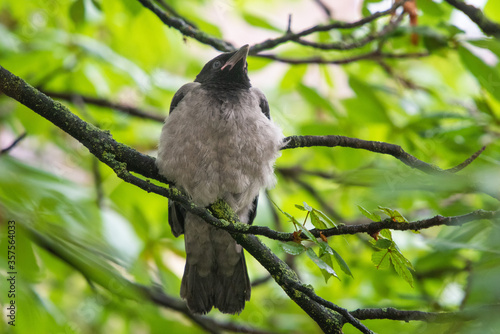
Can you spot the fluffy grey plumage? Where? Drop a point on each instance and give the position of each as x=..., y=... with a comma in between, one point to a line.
x=218, y=142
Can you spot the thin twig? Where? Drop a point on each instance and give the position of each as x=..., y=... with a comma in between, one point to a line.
x=14, y=143
x=272, y=43
x=476, y=15
x=325, y=8
x=373, y=146
x=347, y=315
x=107, y=104
x=186, y=29
x=374, y=55
x=389, y=28
x=370, y=228
x=407, y=83
x=172, y=11
x=97, y=182
x=438, y=317
x=467, y=162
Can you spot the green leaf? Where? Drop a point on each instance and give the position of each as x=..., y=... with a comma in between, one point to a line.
x=300, y=207
x=293, y=77
x=324, y=218
x=327, y=258
x=383, y=243
x=293, y=248
x=431, y=8
x=367, y=107
x=492, y=45
x=133, y=7
x=492, y=10
x=317, y=222
x=314, y=98
x=386, y=234
x=77, y=12
x=326, y=249
x=381, y=259
x=307, y=207
x=399, y=254
x=289, y=216
x=400, y=265
x=487, y=76
x=308, y=234
x=97, y=4
x=259, y=22
x=394, y=214
x=320, y=263
x=342, y=264
x=372, y=216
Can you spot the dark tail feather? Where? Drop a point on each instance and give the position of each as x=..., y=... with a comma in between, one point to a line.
x=232, y=291
x=197, y=290
x=215, y=274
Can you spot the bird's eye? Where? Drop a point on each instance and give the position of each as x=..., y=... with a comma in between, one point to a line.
x=216, y=64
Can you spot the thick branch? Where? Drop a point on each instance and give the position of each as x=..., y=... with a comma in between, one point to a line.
x=476, y=15
x=99, y=142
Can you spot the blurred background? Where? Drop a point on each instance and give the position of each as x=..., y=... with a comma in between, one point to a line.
x=84, y=236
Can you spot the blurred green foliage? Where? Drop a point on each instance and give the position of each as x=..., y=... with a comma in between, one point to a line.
x=112, y=233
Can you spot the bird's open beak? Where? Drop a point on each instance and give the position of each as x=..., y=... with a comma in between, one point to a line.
x=242, y=53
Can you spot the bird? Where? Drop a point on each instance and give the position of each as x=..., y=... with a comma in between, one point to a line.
x=217, y=143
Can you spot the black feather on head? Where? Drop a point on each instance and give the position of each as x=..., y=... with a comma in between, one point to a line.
x=226, y=71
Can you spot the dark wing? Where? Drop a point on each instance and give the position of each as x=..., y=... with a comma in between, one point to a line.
x=176, y=213
x=253, y=211
x=176, y=218
x=178, y=96
x=264, y=106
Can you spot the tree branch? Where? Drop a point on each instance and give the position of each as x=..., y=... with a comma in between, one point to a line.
x=154, y=293
x=173, y=20
x=105, y=148
x=374, y=55
x=172, y=11
x=389, y=28
x=107, y=104
x=123, y=159
x=404, y=315
x=325, y=8
x=467, y=162
x=14, y=143
x=374, y=146
x=186, y=29
x=370, y=228
x=272, y=43
x=476, y=15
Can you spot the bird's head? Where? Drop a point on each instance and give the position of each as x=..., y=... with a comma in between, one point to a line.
x=228, y=70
